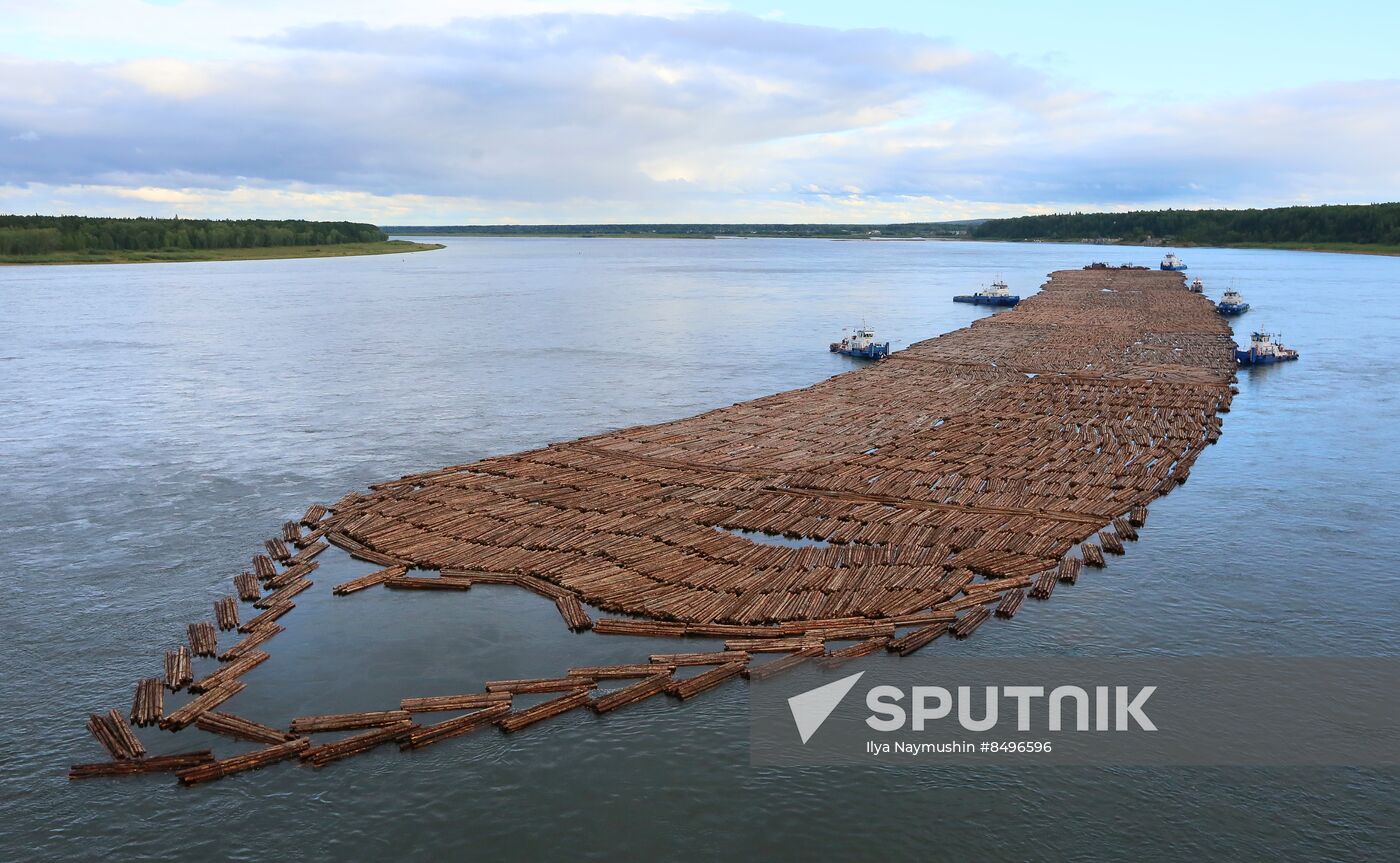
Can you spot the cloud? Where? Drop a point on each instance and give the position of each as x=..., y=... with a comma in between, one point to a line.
x=636, y=117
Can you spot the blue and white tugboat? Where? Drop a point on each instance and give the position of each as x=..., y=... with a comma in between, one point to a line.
x=861, y=344
x=1197, y=287
x=1173, y=263
x=1232, y=303
x=1263, y=351
x=997, y=295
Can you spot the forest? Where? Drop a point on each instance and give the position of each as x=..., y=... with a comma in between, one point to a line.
x=697, y=230
x=1361, y=224
x=47, y=235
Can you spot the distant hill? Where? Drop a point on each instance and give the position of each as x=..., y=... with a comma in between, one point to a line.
x=1335, y=226
x=698, y=230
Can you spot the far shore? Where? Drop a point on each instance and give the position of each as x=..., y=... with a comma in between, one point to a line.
x=266, y=253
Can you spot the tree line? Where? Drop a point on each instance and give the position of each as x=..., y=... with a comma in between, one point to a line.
x=1377, y=224
x=913, y=229
x=41, y=235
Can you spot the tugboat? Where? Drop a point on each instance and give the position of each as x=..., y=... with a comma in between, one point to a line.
x=1232, y=303
x=1173, y=263
x=861, y=344
x=997, y=295
x=1197, y=287
x=1263, y=351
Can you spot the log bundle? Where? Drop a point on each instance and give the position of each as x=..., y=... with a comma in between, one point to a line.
x=148, y=705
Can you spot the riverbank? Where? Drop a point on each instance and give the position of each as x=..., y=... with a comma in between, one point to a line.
x=386, y=247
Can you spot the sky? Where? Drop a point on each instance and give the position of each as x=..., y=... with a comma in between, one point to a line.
x=607, y=111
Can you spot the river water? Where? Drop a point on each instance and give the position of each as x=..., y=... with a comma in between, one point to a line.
x=158, y=421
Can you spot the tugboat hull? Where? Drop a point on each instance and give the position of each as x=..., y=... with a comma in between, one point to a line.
x=1232, y=308
x=1174, y=269
x=986, y=301
x=1250, y=358
x=871, y=352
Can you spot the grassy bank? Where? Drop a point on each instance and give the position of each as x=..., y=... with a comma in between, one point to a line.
x=386, y=247
x=1348, y=248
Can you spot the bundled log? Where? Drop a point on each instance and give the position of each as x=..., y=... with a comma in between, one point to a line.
x=842, y=633
x=408, y=582
x=188, y=713
x=539, y=684
x=314, y=514
x=778, y=666
x=272, y=613
x=771, y=645
x=291, y=574
x=347, y=721
x=307, y=553
x=1124, y=529
x=615, y=672
x=1044, y=585
x=645, y=688
x=572, y=611
x=240, y=729
x=855, y=651
x=115, y=735
x=624, y=626
x=178, y=669
x=1137, y=516
x=277, y=550
x=968, y=623
x=469, y=701
x=204, y=641
x=320, y=756
x=284, y=594
x=907, y=644
x=137, y=766
x=226, y=613
x=247, y=586
x=1111, y=542
x=291, y=532
x=148, y=704
x=232, y=671
x=924, y=618
x=1011, y=603
x=240, y=763
x=379, y=576
x=693, y=686
x=1093, y=555
x=254, y=640
x=454, y=727
x=715, y=658
x=1069, y=569
x=263, y=567
x=545, y=710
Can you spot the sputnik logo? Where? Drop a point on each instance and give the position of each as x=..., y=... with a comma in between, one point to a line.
x=811, y=708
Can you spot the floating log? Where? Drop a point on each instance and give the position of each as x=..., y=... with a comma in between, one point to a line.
x=545, y=710
x=291, y=532
x=455, y=727
x=693, y=686
x=1093, y=555
x=572, y=611
x=188, y=713
x=240, y=729
x=379, y=576
x=1011, y=603
x=907, y=644
x=614, y=672
x=296, y=572
x=148, y=704
x=714, y=658
x=653, y=628
x=540, y=684
x=277, y=550
x=1137, y=516
x=968, y=623
x=645, y=688
x=273, y=612
x=254, y=640
x=777, y=666
x=407, y=582
x=240, y=763
x=111, y=730
x=347, y=721
x=469, y=701
x=226, y=613
x=178, y=670
x=320, y=756
x=239, y=667
x=263, y=567
x=204, y=641
x=855, y=651
x=134, y=767
x=314, y=514
x=770, y=645
x=1044, y=584
x=307, y=553
x=1069, y=569
x=1124, y=529
x=247, y=586
x=1111, y=542
x=284, y=594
